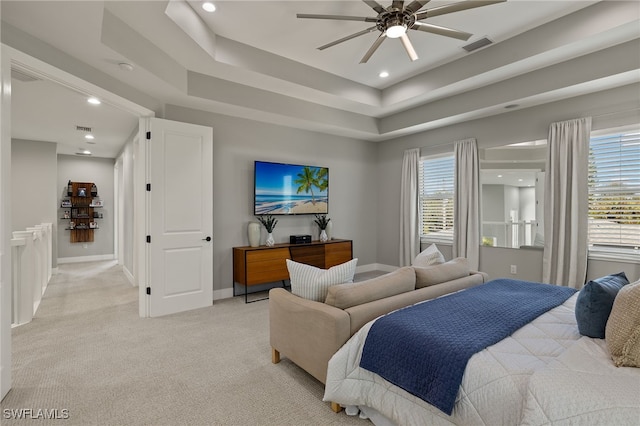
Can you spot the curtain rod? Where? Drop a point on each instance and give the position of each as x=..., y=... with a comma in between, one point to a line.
x=615, y=112
x=592, y=116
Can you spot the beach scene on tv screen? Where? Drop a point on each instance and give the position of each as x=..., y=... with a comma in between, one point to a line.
x=291, y=189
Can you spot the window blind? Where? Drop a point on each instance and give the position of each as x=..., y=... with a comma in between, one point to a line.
x=614, y=192
x=436, y=192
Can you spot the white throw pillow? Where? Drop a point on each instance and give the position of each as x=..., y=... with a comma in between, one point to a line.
x=429, y=256
x=313, y=283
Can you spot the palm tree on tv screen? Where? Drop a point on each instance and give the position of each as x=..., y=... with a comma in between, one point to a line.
x=309, y=178
x=321, y=176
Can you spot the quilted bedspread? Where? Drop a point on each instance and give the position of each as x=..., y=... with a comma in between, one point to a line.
x=424, y=349
x=494, y=386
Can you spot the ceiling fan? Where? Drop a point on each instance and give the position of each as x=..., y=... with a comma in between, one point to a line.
x=395, y=20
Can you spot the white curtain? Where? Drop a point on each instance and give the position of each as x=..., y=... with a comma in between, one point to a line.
x=466, y=222
x=409, y=236
x=566, y=203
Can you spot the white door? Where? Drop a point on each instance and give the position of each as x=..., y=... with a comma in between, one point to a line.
x=180, y=217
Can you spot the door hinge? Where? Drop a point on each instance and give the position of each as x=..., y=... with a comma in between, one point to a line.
x=148, y=187
x=149, y=290
x=148, y=238
x=148, y=135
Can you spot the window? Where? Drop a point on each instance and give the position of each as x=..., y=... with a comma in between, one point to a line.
x=614, y=195
x=436, y=192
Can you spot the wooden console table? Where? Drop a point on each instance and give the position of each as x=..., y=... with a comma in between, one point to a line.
x=260, y=265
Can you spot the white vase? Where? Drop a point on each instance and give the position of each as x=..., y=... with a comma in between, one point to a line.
x=329, y=230
x=253, y=232
x=323, y=235
x=270, y=241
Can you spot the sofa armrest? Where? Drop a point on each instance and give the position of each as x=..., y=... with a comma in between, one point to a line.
x=485, y=276
x=306, y=332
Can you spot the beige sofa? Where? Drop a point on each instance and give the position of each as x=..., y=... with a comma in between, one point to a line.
x=309, y=332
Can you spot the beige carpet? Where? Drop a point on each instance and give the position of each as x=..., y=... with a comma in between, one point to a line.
x=88, y=354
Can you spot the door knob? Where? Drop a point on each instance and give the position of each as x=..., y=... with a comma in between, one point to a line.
x=206, y=239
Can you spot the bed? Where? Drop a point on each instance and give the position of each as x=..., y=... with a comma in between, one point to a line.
x=545, y=372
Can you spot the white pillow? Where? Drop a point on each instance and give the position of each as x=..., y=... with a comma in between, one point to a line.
x=429, y=256
x=313, y=283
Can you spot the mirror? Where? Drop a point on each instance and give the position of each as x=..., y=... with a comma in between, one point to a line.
x=512, y=182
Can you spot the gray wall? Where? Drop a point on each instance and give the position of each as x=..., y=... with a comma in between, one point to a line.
x=237, y=143
x=33, y=187
x=126, y=199
x=609, y=109
x=87, y=169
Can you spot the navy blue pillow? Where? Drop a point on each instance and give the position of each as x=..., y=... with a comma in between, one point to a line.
x=595, y=301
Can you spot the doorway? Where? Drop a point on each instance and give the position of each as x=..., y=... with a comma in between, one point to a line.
x=12, y=58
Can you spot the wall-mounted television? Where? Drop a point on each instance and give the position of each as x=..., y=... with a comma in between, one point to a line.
x=290, y=189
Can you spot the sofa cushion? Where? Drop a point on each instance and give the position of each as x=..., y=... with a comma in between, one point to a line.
x=594, y=304
x=429, y=256
x=436, y=274
x=348, y=295
x=312, y=283
x=622, y=333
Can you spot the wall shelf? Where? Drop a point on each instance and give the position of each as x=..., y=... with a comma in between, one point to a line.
x=78, y=208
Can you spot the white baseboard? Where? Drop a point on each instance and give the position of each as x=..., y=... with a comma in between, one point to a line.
x=225, y=293
x=86, y=258
x=375, y=267
x=129, y=276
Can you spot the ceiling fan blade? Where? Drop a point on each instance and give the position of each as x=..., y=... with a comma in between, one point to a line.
x=373, y=48
x=397, y=4
x=337, y=17
x=455, y=7
x=415, y=6
x=443, y=31
x=408, y=47
x=349, y=37
x=374, y=5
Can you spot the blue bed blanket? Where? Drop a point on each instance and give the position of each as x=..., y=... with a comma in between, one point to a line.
x=424, y=348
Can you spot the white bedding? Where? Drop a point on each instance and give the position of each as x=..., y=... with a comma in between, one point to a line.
x=495, y=386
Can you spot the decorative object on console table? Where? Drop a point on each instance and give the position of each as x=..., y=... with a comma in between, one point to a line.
x=253, y=232
x=329, y=230
x=269, y=223
x=299, y=239
x=322, y=221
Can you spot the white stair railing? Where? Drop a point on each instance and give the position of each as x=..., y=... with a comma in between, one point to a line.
x=31, y=270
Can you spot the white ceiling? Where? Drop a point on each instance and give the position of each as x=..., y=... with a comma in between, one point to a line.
x=255, y=59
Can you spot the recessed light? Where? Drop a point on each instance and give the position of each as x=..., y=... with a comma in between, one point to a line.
x=499, y=175
x=383, y=74
x=208, y=6
x=511, y=106
x=125, y=66
x=94, y=101
x=89, y=136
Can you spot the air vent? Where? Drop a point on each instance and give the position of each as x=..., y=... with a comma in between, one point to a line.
x=83, y=129
x=477, y=44
x=84, y=153
x=22, y=75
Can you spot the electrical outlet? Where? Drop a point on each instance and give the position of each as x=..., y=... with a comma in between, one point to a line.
x=514, y=269
x=85, y=246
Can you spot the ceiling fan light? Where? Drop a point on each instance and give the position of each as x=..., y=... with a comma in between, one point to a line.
x=396, y=31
